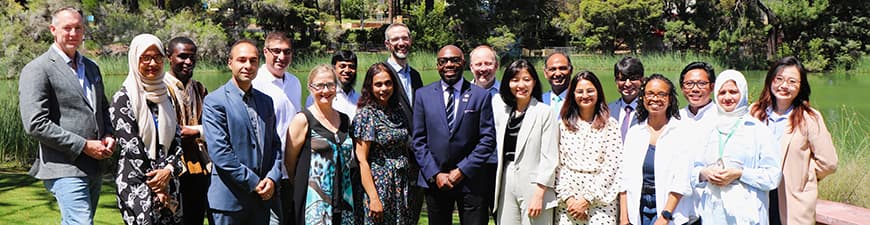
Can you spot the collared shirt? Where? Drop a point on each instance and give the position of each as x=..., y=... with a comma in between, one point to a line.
x=457, y=91
x=617, y=110
x=494, y=89
x=555, y=101
x=404, y=73
x=344, y=102
x=79, y=70
x=704, y=119
x=778, y=123
x=286, y=95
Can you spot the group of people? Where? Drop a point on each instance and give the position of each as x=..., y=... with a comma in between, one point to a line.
x=249, y=152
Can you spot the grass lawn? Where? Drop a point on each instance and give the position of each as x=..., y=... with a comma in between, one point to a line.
x=24, y=201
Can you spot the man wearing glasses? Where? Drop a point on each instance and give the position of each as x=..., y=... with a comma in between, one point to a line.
x=453, y=137
x=696, y=82
x=286, y=92
x=629, y=75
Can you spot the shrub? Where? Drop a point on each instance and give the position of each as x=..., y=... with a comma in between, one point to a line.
x=210, y=38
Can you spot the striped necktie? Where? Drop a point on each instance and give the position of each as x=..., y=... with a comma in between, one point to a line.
x=449, y=109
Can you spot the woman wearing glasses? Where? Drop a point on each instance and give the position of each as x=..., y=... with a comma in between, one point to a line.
x=147, y=131
x=382, y=140
x=320, y=152
x=655, y=169
x=588, y=177
x=807, y=152
x=739, y=162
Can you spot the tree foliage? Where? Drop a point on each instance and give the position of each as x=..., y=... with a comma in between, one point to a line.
x=432, y=30
x=211, y=39
x=608, y=24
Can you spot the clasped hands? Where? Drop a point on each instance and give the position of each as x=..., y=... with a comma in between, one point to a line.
x=100, y=149
x=446, y=181
x=265, y=188
x=577, y=207
x=720, y=177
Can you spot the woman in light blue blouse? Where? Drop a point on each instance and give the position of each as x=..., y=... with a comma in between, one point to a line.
x=739, y=162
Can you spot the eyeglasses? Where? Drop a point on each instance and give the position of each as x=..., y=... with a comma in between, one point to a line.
x=276, y=51
x=628, y=78
x=322, y=86
x=148, y=58
x=791, y=82
x=186, y=56
x=650, y=95
x=558, y=68
x=454, y=60
x=693, y=84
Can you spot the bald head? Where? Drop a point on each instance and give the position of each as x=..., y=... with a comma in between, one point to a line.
x=483, y=64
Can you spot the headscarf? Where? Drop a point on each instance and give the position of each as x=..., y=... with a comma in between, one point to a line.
x=727, y=119
x=141, y=90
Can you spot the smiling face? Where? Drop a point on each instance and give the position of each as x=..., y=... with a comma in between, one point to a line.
x=243, y=63
x=586, y=96
x=629, y=87
x=322, y=87
x=346, y=72
x=728, y=96
x=151, y=63
x=557, y=71
x=382, y=87
x=697, y=87
x=278, y=56
x=484, y=66
x=68, y=29
x=786, y=86
x=656, y=97
x=183, y=60
x=398, y=42
x=521, y=86
x=450, y=63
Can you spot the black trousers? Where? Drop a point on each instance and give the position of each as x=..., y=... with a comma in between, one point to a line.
x=194, y=202
x=472, y=207
x=286, y=195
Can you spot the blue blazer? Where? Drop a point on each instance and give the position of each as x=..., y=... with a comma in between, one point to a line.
x=230, y=137
x=466, y=147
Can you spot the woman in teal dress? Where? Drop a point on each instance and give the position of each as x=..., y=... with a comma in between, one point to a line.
x=381, y=137
x=320, y=152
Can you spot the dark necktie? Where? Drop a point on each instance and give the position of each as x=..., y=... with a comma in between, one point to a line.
x=449, y=108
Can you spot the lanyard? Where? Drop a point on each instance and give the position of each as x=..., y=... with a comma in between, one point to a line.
x=727, y=137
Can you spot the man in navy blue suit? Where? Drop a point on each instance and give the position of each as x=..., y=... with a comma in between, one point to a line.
x=239, y=126
x=453, y=137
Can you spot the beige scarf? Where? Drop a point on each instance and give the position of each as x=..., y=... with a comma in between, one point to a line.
x=140, y=90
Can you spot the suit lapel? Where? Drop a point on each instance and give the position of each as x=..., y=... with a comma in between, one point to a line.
x=464, y=97
x=526, y=127
x=784, y=143
x=68, y=76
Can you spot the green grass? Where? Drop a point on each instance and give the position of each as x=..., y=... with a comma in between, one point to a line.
x=24, y=201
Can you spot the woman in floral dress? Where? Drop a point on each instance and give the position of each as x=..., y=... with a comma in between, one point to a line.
x=382, y=146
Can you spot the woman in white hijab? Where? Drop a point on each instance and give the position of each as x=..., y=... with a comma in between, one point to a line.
x=739, y=163
x=147, y=132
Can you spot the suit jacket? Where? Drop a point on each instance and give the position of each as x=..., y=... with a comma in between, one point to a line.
x=467, y=146
x=404, y=102
x=808, y=155
x=230, y=136
x=536, y=154
x=57, y=114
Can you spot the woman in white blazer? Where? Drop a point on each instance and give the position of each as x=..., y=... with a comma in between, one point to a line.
x=657, y=160
x=525, y=130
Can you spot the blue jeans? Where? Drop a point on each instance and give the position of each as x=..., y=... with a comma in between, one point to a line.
x=77, y=198
x=648, y=212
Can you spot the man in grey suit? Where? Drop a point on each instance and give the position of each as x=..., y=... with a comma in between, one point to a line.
x=64, y=108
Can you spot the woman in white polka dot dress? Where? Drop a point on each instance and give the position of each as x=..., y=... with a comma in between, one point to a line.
x=590, y=152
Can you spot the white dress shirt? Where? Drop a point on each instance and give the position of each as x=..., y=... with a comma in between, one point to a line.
x=457, y=90
x=617, y=111
x=286, y=96
x=404, y=74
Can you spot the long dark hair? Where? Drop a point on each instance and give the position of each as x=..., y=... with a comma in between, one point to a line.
x=673, y=105
x=509, y=73
x=571, y=110
x=367, y=95
x=800, y=104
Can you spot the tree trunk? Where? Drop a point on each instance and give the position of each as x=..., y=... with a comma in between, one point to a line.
x=336, y=6
x=773, y=34
x=429, y=5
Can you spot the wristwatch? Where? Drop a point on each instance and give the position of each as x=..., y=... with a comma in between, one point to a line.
x=667, y=215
